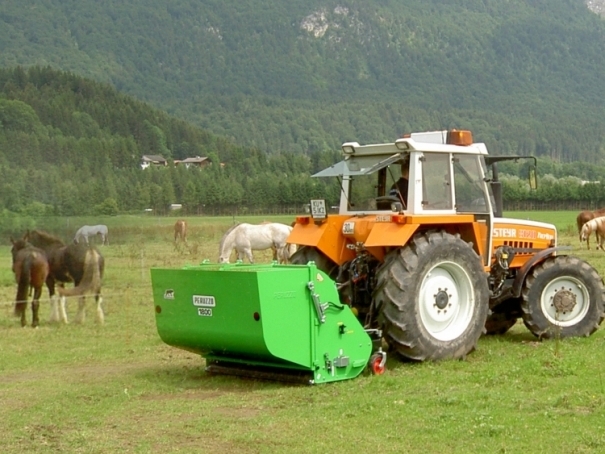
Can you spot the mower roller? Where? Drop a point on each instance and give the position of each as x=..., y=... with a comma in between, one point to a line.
x=268, y=321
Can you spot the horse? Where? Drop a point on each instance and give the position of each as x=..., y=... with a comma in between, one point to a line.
x=596, y=225
x=286, y=253
x=245, y=238
x=31, y=271
x=583, y=218
x=86, y=231
x=180, y=230
x=84, y=265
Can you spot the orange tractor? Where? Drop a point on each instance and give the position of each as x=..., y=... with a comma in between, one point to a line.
x=435, y=268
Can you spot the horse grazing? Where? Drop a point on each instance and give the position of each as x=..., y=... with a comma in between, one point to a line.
x=245, y=238
x=31, y=270
x=81, y=264
x=86, y=231
x=596, y=225
x=583, y=218
x=180, y=230
x=283, y=255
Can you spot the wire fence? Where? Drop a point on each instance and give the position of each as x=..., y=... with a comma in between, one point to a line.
x=563, y=205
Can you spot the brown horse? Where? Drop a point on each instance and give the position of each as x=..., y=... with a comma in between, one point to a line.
x=31, y=270
x=583, y=218
x=76, y=263
x=180, y=230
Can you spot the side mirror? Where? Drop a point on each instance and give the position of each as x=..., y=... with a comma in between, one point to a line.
x=533, y=178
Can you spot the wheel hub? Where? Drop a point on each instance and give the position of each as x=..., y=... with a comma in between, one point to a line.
x=564, y=301
x=441, y=299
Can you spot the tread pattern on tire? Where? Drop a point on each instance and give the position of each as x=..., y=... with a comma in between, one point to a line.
x=553, y=267
x=397, y=287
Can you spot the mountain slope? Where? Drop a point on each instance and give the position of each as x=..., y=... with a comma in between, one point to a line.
x=307, y=75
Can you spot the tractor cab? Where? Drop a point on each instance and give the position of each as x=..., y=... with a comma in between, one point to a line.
x=445, y=173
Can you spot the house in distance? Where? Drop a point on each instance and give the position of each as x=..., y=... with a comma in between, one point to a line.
x=193, y=162
x=157, y=160
x=152, y=160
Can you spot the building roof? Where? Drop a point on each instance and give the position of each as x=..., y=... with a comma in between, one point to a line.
x=196, y=160
x=153, y=158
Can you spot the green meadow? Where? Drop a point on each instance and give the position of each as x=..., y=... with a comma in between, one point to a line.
x=86, y=388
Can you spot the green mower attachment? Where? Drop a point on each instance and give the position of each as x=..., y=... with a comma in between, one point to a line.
x=276, y=321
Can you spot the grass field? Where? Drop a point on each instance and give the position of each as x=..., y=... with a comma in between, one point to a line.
x=118, y=388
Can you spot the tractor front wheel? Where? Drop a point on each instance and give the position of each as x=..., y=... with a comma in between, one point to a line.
x=563, y=297
x=432, y=297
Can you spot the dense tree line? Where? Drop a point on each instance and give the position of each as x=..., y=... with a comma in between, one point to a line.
x=72, y=146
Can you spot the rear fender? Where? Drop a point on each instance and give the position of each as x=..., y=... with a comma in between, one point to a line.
x=326, y=236
x=528, y=266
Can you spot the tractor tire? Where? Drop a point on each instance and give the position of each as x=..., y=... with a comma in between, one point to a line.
x=499, y=323
x=306, y=254
x=563, y=297
x=432, y=297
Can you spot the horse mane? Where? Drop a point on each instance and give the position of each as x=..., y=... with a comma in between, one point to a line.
x=45, y=239
x=224, y=238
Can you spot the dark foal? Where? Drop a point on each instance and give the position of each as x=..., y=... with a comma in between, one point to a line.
x=31, y=271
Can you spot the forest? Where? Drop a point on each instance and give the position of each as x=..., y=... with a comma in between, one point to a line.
x=268, y=92
x=304, y=76
x=70, y=146
x=73, y=146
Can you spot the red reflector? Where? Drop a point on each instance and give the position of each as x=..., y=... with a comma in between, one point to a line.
x=398, y=219
x=302, y=220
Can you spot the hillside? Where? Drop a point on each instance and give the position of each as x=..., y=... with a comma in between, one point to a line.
x=308, y=75
x=69, y=145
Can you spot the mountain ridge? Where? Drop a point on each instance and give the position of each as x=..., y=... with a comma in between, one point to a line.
x=263, y=73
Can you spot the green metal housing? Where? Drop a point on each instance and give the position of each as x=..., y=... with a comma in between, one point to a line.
x=276, y=317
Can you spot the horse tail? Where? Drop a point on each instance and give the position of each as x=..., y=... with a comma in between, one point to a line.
x=91, y=279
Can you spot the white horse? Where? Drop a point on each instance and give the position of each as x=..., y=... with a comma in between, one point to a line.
x=245, y=238
x=86, y=231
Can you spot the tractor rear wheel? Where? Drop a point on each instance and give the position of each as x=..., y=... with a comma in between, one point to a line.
x=432, y=297
x=563, y=297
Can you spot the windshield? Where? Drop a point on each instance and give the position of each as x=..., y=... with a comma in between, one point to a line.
x=374, y=191
x=440, y=181
x=469, y=185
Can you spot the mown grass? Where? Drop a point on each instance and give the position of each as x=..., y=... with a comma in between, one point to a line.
x=118, y=388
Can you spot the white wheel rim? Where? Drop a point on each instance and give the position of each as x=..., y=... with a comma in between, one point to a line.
x=569, y=286
x=446, y=301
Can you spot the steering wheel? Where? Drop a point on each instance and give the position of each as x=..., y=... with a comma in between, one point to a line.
x=390, y=198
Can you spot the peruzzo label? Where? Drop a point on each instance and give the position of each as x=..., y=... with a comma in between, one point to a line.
x=204, y=301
